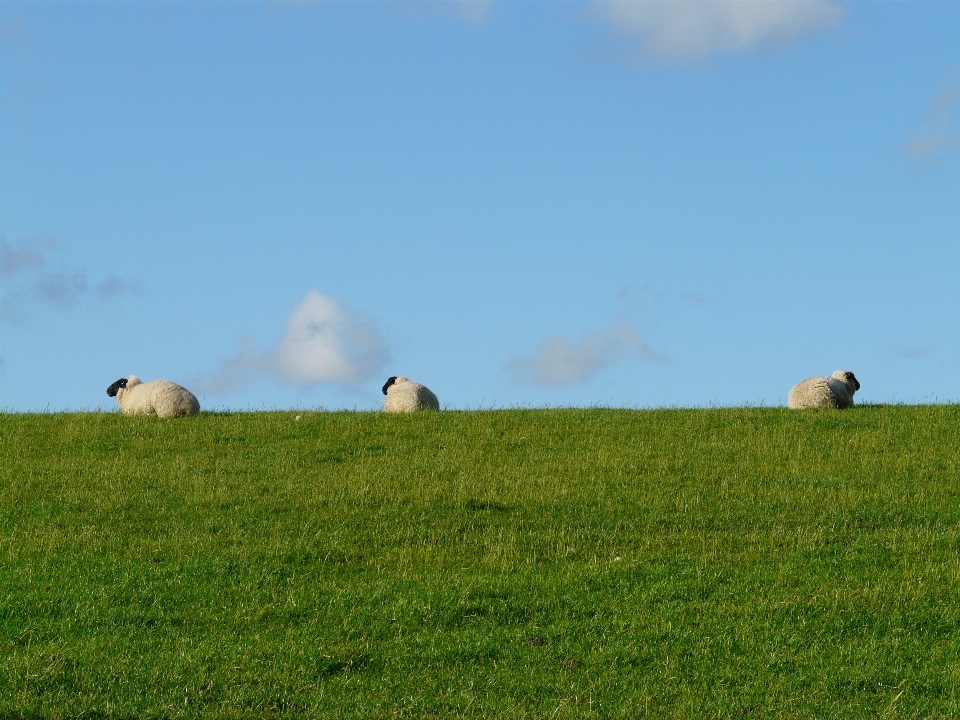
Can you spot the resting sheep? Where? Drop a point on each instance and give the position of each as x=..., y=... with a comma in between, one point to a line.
x=835, y=391
x=406, y=396
x=158, y=397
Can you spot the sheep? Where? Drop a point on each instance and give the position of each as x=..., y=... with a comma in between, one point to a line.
x=407, y=396
x=158, y=397
x=835, y=391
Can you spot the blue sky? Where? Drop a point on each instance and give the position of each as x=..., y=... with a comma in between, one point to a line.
x=281, y=204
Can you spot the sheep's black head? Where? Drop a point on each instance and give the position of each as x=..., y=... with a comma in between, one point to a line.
x=390, y=381
x=112, y=390
x=852, y=378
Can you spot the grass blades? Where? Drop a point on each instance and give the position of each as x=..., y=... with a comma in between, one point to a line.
x=728, y=563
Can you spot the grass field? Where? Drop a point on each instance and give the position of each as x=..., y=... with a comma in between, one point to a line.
x=728, y=563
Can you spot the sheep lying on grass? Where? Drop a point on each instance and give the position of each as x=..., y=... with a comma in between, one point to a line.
x=835, y=391
x=406, y=396
x=158, y=397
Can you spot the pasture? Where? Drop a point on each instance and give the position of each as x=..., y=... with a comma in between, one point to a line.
x=716, y=563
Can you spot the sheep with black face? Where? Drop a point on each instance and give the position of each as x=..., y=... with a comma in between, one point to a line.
x=407, y=396
x=159, y=397
x=835, y=391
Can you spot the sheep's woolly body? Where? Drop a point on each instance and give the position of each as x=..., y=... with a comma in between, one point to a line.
x=158, y=397
x=407, y=396
x=835, y=391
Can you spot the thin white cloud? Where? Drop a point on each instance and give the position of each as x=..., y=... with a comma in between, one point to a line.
x=684, y=30
x=323, y=343
x=112, y=286
x=474, y=12
x=64, y=290
x=27, y=255
x=245, y=368
x=937, y=133
x=28, y=283
x=704, y=299
x=913, y=352
x=558, y=361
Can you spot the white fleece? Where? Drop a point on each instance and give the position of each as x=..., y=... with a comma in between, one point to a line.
x=835, y=391
x=408, y=396
x=158, y=397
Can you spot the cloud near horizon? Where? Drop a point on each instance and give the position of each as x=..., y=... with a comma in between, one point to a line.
x=560, y=362
x=322, y=343
x=674, y=30
x=937, y=133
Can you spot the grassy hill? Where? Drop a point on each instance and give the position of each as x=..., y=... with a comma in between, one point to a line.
x=729, y=563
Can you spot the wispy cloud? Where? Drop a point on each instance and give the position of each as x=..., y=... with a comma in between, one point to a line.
x=474, y=12
x=112, y=286
x=245, y=368
x=28, y=281
x=704, y=299
x=61, y=289
x=917, y=352
x=937, y=133
x=28, y=255
x=323, y=343
x=558, y=361
x=685, y=30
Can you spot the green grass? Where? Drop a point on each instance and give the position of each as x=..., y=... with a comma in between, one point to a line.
x=730, y=563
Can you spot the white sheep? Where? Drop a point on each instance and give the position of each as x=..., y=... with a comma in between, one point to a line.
x=835, y=391
x=158, y=397
x=407, y=396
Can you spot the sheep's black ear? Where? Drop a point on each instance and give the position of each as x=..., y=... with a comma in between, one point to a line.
x=112, y=390
x=390, y=381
